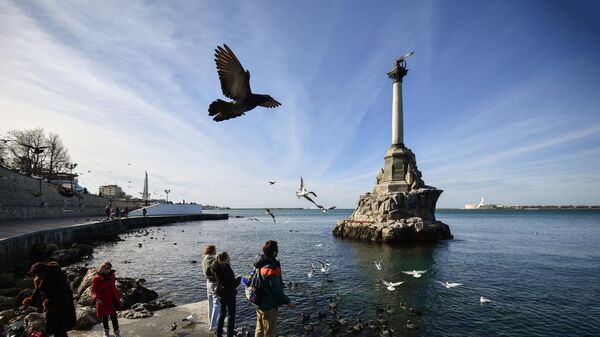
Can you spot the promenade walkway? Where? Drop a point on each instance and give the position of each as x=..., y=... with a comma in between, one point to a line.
x=159, y=325
x=12, y=228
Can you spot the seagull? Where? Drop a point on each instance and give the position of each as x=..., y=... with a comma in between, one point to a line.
x=378, y=264
x=484, y=300
x=450, y=285
x=173, y=326
x=190, y=318
x=318, y=245
x=252, y=219
x=288, y=220
x=235, y=84
x=324, y=267
x=415, y=273
x=311, y=272
x=391, y=286
x=331, y=207
x=268, y=212
x=411, y=326
x=271, y=182
x=304, y=193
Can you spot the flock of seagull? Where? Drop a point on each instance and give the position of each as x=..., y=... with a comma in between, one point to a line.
x=303, y=192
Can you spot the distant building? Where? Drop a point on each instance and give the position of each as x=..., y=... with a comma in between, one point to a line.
x=111, y=191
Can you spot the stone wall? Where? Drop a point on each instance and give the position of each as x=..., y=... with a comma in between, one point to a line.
x=23, y=197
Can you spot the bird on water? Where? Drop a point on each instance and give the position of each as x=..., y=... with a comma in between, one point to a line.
x=235, y=84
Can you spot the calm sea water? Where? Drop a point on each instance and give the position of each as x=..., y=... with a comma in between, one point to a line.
x=541, y=269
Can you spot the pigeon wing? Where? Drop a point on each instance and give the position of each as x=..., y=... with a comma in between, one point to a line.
x=235, y=81
x=271, y=103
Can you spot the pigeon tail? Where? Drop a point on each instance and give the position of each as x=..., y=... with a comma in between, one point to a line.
x=224, y=110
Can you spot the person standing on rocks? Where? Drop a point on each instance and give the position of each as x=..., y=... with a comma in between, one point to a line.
x=270, y=271
x=51, y=282
x=214, y=307
x=107, y=297
x=226, y=291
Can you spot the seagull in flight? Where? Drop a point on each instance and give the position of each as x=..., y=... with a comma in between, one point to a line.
x=271, y=182
x=311, y=272
x=268, y=212
x=325, y=267
x=378, y=264
x=318, y=245
x=484, y=300
x=304, y=193
x=235, y=84
x=415, y=273
x=391, y=286
x=252, y=219
x=450, y=285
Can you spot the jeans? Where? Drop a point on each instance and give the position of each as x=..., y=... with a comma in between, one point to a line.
x=266, y=323
x=214, y=306
x=227, y=308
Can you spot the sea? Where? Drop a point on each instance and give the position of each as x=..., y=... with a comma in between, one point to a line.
x=539, y=268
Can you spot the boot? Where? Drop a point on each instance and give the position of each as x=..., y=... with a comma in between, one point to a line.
x=106, y=334
x=117, y=333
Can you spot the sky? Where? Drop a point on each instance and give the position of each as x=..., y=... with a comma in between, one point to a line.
x=502, y=98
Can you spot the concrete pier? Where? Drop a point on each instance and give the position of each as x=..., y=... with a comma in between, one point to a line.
x=17, y=250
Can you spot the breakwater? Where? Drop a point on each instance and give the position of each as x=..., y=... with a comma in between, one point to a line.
x=20, y=251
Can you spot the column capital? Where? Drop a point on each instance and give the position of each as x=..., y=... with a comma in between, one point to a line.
x=398, y=72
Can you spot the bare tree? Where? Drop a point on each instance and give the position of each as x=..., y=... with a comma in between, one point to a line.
x=26, y=150
x=57, y=157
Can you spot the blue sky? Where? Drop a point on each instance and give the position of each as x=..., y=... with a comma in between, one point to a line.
x=501, y=100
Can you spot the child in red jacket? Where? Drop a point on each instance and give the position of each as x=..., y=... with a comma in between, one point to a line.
x=107, y=297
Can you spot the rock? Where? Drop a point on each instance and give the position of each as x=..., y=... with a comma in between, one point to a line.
x=7, y=302
x=86, y=282
x=75, y=275
x=8, y=280
x=66, y=256
x=10, y=292
x=86, y=318
x=138, y=294
x=7, y=315
x=85, y=298
x=84, y=250
x=138, y=310
x=24, y=283
x=35, y=322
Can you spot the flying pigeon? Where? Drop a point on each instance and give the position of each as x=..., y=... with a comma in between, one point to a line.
x=235, y=84
x=377, y=264
x=415, y=273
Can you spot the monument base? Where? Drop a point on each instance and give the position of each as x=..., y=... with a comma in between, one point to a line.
x=400, y=217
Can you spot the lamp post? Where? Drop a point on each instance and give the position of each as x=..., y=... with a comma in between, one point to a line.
x=167, y=193
x=71, y=166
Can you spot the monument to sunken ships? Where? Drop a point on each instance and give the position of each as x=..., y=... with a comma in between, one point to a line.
x=401, y=207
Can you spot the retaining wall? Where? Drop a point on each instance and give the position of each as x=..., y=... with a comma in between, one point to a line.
x=18, y=252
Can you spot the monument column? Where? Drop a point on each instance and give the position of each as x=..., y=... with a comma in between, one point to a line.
x=397, y=74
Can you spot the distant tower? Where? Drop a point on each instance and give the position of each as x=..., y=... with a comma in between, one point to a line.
x=145, y=192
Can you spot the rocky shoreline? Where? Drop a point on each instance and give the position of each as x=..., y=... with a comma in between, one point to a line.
x=138, y=301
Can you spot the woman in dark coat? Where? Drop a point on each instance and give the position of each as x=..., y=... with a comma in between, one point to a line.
x=107, y=297
x=51, y=283
x=226, y=291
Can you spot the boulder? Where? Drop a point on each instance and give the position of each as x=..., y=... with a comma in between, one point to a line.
x=85, y=298
x=35, y=322
x=66, y=256
x=75, y=275
x=86, y=282
x=10, y=292
x=24, y=283
x=86, y=318
x=138, y=294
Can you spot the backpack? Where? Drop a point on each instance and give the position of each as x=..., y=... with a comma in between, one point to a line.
x=255, y=287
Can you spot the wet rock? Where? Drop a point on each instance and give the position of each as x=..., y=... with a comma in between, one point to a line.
x=35, y=322
x=10, y=292
x=75, y=275
x=86, y=318
x=7, y=302
x=137, y=294
x=66, y=256
x=84, y=250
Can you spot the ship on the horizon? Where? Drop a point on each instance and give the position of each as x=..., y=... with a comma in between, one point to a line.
x=481, y=205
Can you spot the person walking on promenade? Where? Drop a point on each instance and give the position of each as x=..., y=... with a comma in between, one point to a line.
x=126, y=211
x=51, y=282
x=214, y=307
x=270, y=271
x=118, y=212
x=112, y=213
x=107, y=212
x=226, y=291
x=107, y=297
